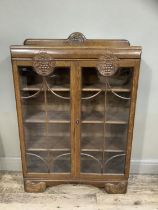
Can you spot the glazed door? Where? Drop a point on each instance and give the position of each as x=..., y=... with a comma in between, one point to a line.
x=74, y=120
x=105, y=105
x=46, y=117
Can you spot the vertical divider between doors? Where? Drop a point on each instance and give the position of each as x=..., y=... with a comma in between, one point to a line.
x=75, y=118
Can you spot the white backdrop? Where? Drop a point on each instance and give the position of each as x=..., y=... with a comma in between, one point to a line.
x=135, y=20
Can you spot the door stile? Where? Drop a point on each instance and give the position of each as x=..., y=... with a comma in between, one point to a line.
x=75, y=118
x=19, y=116
x=132, y=115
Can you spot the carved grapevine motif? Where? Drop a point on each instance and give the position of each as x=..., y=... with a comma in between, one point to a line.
x=76, y=38
x=43, y=63
x=107, y=64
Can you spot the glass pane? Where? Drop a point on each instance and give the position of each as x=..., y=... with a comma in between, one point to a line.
x=116, y=137
x=114, y=163
x=121, y=79
x=104, y=115
x=91, y=162
x=46, y=116
x=37, y=162
x=60, y=78
x=58, y=138
x=117, y=108
x=92, y=107
x=61, y=162
x=92, y=137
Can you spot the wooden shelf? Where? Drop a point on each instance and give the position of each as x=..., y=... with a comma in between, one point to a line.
x=38, y=86
x=95, y=144
x=63, y=117
x=53, y=117
x=62, y=144
x=100, y=150
x=45, y=143
x=106, y=122
x=98, y=117
x=96, y=87
x=116, y=122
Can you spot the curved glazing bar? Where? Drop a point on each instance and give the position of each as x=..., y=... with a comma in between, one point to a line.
x=113, y=157
x=91, y=156
x=59, y=156
x=63, y=97
x=39, y=157
x=116, y=94
x=35, y=94
x=52, y=165
x=92, y=96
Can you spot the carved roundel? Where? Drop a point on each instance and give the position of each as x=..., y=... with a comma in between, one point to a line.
x=43, y=63
x=76, y=38
x=107, y=64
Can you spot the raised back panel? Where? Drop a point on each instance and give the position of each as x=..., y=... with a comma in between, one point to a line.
x=79, y=39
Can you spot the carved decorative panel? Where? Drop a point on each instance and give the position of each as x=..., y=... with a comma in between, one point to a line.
x=107, y=64
x=76, y=38
x=43, y=63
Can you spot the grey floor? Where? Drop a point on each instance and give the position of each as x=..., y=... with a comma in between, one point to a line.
x=142, y=194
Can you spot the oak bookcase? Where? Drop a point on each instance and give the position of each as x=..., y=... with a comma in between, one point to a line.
x=76, y=102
